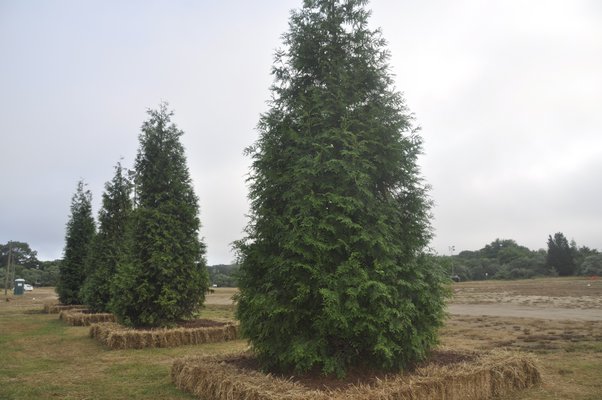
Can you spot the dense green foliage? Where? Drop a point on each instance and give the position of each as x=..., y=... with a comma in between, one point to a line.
x=81, y=229
x=21, y=254
x=560, y=255
x=591, y=265
x=332, y=273
x=223, y=275
x=163, y=277
x=505, y=259
x=108, y=247
x=501, y=259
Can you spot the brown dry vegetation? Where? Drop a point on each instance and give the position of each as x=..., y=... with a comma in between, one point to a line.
x=484, y=376
x=81, y=317
x=53, y=308
x=43, y=358
x=118, y=337
x=572, y=293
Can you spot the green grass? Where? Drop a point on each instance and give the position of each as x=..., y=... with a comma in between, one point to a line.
x=44, y=358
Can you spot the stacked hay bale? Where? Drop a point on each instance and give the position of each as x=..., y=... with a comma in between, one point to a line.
x=116, y=336
x=488, y=375
x=81, y=317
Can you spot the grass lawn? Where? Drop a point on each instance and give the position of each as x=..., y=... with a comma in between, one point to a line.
x=43, y=358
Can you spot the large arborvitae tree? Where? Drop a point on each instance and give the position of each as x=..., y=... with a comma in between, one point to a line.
x=333, y=273
x=164, y=277
x=81, y=229
x=108, y=247
x=560, y=255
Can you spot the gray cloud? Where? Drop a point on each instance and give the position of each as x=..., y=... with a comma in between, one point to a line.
x=507, y=94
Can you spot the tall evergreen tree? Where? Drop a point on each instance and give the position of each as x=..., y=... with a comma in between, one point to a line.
x=81, y=229
x=560, y=255
x=164, y=277
x=333, y=272
x=108, y=247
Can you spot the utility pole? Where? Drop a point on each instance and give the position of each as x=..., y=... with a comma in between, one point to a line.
x=10, y=254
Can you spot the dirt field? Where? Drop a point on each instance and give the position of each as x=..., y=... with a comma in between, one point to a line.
x=568, y=293
x=556, y=299
x=221, y=296
x=558, y=320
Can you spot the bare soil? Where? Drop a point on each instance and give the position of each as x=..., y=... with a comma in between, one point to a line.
x=570, y=293
x=546, y=298
x=511, y=310
x=355, y=377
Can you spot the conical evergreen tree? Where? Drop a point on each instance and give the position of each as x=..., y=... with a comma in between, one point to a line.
x=333, y=273
x=108, y=247
x=81, y=229
x=560, y=255
x=164, y=278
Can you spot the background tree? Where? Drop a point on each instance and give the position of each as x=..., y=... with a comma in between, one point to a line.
x=49, y=273
x=81, y=229
x=332, y=272
x=108, y=247
x=22, y=254
x=25, y=264
x=223, y=275
x=163, y=278
x=560, y=255
x=592, y=265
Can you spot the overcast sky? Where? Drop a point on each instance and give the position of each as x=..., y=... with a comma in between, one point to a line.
x=508, y=95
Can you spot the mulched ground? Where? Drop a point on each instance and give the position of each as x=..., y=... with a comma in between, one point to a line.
x=317, y=381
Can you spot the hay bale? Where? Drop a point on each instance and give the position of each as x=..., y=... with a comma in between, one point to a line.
x=488, y=375
x=116, y=336
x=81, y=317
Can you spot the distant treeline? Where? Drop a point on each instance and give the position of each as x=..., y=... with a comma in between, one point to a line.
x=25, y=265
x=501, y=259
x=505, y=259
x=223, y=275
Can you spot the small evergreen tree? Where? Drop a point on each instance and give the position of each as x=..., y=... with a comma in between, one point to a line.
x=332, y=270
x=81, y=229
x=560, y=255
x=109, y=244
x=164, y=278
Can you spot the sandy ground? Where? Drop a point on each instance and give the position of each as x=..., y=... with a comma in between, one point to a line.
x=555, y=299
x=511, y=310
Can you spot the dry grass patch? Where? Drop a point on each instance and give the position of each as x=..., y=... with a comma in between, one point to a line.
x=526, y=334
x=573, y=292
x=475, y=376
x=83, y=317
x=117, y=336
x=53, y=308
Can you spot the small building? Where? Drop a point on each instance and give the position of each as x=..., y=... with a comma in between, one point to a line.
x=19, y=286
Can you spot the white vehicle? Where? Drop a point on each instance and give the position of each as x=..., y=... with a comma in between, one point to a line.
x=28, y=287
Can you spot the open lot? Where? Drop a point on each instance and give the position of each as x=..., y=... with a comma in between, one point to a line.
x=43, y=358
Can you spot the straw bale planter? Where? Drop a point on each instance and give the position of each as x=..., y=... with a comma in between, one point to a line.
x=53, y=308
x=474, y=377
x=83, y=317
x=117, y=336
